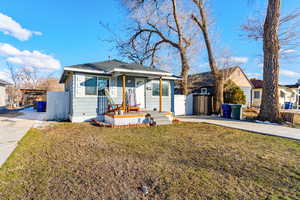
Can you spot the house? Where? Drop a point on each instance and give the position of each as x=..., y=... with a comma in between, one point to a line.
x=3, y=95
x=86, y=84
x=203, y=83
x=287, y=93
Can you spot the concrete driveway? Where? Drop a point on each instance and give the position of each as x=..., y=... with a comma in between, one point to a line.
x=13, y=128
x=266, y=129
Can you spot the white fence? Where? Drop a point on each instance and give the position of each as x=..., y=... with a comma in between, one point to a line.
x=183, y=105
x=57, y=106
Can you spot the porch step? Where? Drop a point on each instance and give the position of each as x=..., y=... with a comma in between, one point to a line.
x=161, y=119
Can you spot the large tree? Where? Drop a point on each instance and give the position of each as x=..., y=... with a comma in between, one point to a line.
x=161, y=25
x=201, y=21
x=270, y=99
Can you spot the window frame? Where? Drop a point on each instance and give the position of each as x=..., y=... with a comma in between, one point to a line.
x=97, y=77
x=257, y=92
x=205, y=89
x=85, y=87
x=157, y=81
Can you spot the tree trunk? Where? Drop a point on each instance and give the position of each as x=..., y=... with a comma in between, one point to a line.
x=270, y=97
x=218, y=76
x=184, y=72
x=219, y=93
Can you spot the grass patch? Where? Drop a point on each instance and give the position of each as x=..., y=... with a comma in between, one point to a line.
x=183, y=161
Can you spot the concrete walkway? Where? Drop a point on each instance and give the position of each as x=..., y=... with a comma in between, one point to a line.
x=266, y=129
x=13, y=128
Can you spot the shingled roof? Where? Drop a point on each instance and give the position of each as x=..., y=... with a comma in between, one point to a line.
x=3, y=82
x=206, y=79
x=110, y=65
x=257, y=83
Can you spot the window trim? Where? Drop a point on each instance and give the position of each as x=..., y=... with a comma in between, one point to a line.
x=157, y=81
x=85, y=79
x=258, y=93
x=206, y=91
x=109, y=84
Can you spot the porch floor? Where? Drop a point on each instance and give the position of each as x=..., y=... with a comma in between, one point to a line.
x=131, y=118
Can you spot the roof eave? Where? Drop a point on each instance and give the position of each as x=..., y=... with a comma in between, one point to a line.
x=140, y=72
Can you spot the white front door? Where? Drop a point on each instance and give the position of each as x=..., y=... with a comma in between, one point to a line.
x=140, y=91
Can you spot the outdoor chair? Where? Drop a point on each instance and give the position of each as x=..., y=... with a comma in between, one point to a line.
x=112, y=106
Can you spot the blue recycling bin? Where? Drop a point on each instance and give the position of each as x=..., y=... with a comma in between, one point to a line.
x=226, y=110
x=288, y=105
x=41, y=106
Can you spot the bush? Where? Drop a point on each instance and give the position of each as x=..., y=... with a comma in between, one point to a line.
x=233, y=94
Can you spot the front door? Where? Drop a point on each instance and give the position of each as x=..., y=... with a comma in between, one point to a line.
x=140, y=92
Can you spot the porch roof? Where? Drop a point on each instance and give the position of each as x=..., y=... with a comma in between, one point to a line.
x=111, y=67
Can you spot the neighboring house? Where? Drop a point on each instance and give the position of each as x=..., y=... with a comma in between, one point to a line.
x=203, y=83
x=3, y=95
x=86, y=83
x=287, y=93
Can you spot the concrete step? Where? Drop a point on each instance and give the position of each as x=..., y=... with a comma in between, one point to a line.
x=163, y=123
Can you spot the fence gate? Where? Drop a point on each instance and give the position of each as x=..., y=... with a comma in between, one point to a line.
x=202, y=105
x=57, y=106
x=180, y=105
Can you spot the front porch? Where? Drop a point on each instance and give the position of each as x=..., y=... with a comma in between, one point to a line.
x=136, y=119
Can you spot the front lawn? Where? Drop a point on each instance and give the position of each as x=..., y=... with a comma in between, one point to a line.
x=183, y=161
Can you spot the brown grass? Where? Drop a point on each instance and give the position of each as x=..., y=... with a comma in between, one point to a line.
x=183, y=161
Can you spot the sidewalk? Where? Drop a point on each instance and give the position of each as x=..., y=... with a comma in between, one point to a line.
x=13, y=129
x=266, y=129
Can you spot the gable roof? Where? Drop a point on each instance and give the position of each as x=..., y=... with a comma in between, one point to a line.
x=206, y=79
x=297, y=85
x=257, y=83
x=3, y=82
x=111, y=66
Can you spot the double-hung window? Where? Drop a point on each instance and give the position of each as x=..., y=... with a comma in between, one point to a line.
x=96, y=85
x=156, y=89
x=90, y=85
x=256, y=94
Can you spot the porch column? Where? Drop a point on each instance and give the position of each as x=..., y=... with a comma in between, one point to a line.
x=160, y=94
x=124, y=92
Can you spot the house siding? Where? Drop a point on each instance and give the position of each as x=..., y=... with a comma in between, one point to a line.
x=3, y=98
x=248, y=95
x=85, y=108
x=152, y=102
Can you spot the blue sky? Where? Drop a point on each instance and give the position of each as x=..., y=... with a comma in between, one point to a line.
x=56, y=33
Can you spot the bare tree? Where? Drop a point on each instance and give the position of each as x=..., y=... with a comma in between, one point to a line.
x=289, y=35
x=13, y=91
x=201, y=21
x=141, y=53
x=160, y=25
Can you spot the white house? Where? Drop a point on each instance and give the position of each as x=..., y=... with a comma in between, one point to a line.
x=3, y=95
x=287, y=93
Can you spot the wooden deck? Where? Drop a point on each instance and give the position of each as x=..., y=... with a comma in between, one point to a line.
x=136, y=118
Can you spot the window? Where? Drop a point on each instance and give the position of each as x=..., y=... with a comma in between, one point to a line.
x=282, y=94
x=256, y=94
x=90, y=85
x=155, y=88
x=95, y=85
x=102, y=84
x=203, y=90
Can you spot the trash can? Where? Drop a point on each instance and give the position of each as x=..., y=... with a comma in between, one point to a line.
x=226, y=109
x=41, y=106
x=236, y=111
x=288, y=105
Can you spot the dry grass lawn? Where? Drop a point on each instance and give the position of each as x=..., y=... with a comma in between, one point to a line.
x=183, y=161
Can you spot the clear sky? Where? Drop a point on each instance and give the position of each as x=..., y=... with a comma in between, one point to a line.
x=50, y=34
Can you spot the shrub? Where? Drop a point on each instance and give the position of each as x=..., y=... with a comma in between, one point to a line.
x=233, y=94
